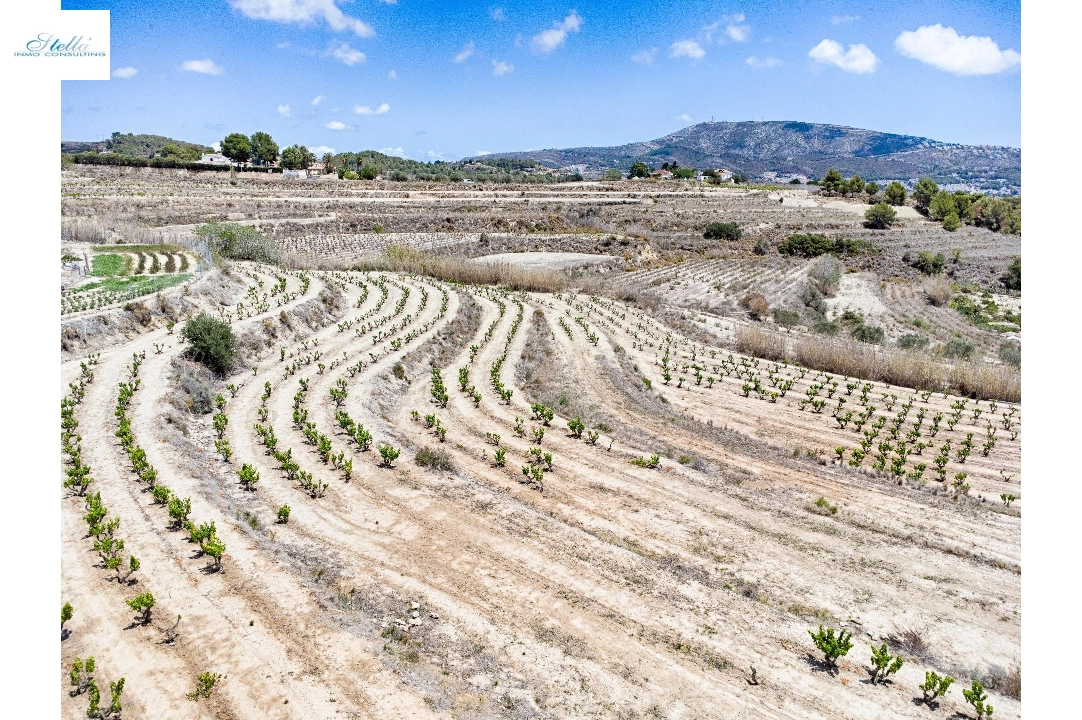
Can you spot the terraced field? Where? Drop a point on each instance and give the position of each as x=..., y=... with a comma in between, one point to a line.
x=457, y=544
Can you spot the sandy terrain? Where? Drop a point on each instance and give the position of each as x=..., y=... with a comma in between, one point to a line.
x=451, y=585
x=551, y=261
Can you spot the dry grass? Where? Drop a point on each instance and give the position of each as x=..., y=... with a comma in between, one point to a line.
x=938, y=291
x=761, y=343
x=897, y=367
x=397, y=258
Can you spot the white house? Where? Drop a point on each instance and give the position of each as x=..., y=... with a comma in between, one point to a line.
x=214, y=159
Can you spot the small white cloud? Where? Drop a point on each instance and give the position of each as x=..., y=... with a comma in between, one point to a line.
x=320, y=149
x=943, y=48
x=392, y=75
x=303, y=12
x=497, y=14
x=284, y=110
x=548, y=40
x=844, y=19
x=397, y=151
x=366, y=110
x=483, y=152
x=282, y=45
x=467, y=50
x=346, y=55
x=317, y=99
x=684, y=117
x=336, y=125
x=206, y=67
x=766, y=62
x=501, y=68
x=646, y=57
x=125, y=72
x=433, y=155
x=734, y=28
x=216, y=146
x=686, y=48
x=857, y=59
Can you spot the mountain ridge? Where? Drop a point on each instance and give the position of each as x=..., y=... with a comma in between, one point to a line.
x=800, y=148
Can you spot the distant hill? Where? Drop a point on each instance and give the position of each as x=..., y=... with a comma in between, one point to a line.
x=753, y=148
x=128, y=144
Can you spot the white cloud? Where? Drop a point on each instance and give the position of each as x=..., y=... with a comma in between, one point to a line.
x=392, y=75
x=282, y=45
x=548, y=40
x=686, y=48
x=320, y=149
x=206, y=67
x=766, y=62
x=366, y=110
x=483, y=152
x=497, y=14
x=346, y=55
x=317, y=99
x=735, y=30
x=216, y=146
x=336, y=125
x=684, y=117
x=125, y=72
x=433, y=155
x=646, y=57
x=843, y=19
x=943, y=48
x=284, y=111
x=397, y=151
x=857, y=59
x=501, y=68
x=303, y=12
x=466, y=52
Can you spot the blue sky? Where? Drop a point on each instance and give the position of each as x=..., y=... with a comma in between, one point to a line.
x=432, y=80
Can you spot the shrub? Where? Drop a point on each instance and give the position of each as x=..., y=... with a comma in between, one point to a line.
x=204, y=685
x=210, y=342
x=832, y=647
x=913, y=341
x=283, y=514
x=438, y=459
x=786, y=318
x=826, y=275
x=722, y=231
x=762, y=246
x=239, y=242
x=880, y=216
x=867, y=333
x=1012, y=278
x=951, y=222
x=934, y=687
x=938, y=291
x=959, y=349
x=1011, y=354
x=884, y=664
x=756, y=305
x=388, y=454
x=924, y=261
x=806, y=245
x=142, y=603
x=977, y=697
x=66, y=612
x=924, y=191
x=760, y=343
x=812, y=298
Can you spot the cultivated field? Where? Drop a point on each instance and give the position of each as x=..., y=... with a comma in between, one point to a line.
x=599, y=506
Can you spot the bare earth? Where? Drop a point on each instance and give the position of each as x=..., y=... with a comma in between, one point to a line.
x=610, y=590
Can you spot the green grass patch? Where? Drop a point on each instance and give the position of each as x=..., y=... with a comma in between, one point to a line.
x=140, y=285
x=110, y=265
